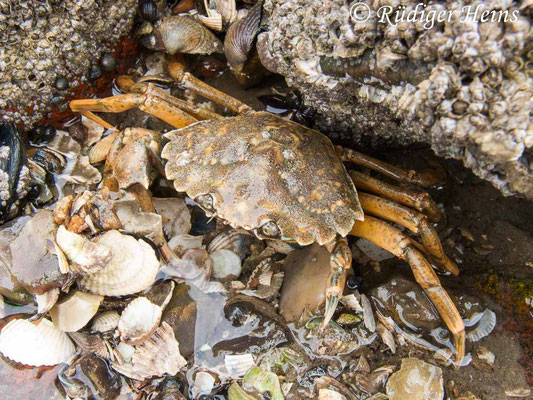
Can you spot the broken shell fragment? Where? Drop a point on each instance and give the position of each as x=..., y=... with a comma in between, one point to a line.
x=35, y=344
x=92, y=344
x=139, y=320
x=156, y=356
x=46, y=300
x=74, y=312
x=132, y=268
x=416, y=380
x=88, y=257
x=105, y=321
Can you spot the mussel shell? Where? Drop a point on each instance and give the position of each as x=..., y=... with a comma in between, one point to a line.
x=241, y=35
x=181, y=34
x=10, y=137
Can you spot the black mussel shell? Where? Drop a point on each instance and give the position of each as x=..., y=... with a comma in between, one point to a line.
x=148, y=10
x=9, y=136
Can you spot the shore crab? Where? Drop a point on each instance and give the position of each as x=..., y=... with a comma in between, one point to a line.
x=280, y=180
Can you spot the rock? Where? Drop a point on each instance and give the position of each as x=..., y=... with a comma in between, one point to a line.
x=180, y=314
x=373, y=83
x=306, y=273
x=416, y=380
x=32, y=265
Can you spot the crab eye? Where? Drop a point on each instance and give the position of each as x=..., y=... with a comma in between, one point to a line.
x=206, y=202
x=270, y=229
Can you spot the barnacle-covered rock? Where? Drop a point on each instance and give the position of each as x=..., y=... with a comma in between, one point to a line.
x=462, y=86
x=44, y=41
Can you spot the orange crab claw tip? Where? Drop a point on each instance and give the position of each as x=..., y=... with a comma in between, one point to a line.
x=331, y=306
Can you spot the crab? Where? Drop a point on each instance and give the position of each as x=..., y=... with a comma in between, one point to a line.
x=280, y=180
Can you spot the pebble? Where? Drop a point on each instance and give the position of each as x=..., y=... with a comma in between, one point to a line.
x=416, y=380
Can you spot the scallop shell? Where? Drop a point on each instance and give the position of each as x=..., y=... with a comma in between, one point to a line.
x=139, y=320
x=181, y=34
x=132, y=268
x=238, y=364
x=105, y=321
x=156, y=356
x=35, y=344
x=88, y=257
x=225, y=264
x=73, y=313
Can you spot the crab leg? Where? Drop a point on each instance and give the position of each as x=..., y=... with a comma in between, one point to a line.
x=176, y=70
x=340, y=262
x=417, y=199
x=429, y=177
x=149, y=103
x=126, y=83
x=412, y=220
x=393, y=240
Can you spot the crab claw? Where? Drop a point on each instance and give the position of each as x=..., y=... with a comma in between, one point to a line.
x=332, y=299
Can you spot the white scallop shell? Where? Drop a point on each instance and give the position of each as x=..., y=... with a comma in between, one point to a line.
x=35, y=344
x=157, y=356
x=238, y=364
x=89, y=257
x=75, y=311
x=132, y=268
x=225, y=264
x=105, y=321
x=139, y=320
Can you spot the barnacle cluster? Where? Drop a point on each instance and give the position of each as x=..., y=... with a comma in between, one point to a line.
x=462, y=85
x=43, y=41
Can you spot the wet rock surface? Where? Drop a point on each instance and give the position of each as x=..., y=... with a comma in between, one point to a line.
x=463, y=88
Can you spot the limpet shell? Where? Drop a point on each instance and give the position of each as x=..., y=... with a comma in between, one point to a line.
x=139, y=320
x=35, y=344
x=132, y=268
x=73, y=313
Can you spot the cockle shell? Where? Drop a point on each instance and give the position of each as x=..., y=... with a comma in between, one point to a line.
x=73, y=313
x=139, y=320
x=181, y=34
x=238, y=364
x=88, y=257
x=100, y=150
x=35, y=344
x=132, y=268
x=231, y=240
x=156, y=356
x=227, y=9
x=105, y=321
